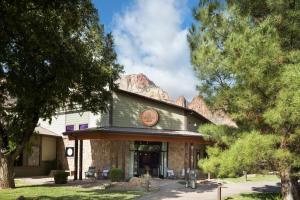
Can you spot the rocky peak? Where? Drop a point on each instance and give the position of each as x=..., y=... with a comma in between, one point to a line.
x=198, y=105
x=218, y=117
x=141, y=84
x=181, y=101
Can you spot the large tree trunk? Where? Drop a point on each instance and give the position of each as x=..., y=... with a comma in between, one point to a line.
x=289, y=186
x=7, y=172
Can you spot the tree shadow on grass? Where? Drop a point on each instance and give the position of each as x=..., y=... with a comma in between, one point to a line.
x=79, y=184
x=96, y=194
x=260, y=196
x=176, y=190
x=263, y=196
x=267, y=188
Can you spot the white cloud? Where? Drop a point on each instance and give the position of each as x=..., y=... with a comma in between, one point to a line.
x=149, y=39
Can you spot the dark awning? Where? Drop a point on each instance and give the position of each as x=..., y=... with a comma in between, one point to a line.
x=134, y=134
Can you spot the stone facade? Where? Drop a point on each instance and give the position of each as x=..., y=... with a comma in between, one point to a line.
x=98, y=153
x=176, y=157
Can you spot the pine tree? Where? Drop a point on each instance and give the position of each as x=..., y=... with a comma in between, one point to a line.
x=246, y=56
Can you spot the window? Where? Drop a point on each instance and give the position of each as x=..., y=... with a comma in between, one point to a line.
x=69, y=128
x=83, y=126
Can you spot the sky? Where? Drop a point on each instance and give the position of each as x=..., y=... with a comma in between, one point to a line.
x=150, y=38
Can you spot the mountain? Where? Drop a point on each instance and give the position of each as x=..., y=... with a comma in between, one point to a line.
x=218, y=117
x=140, y=84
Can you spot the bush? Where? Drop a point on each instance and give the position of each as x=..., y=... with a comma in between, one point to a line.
x=61, y=177
x=116, y=175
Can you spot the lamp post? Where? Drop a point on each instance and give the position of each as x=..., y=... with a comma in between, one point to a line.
x=219, y=191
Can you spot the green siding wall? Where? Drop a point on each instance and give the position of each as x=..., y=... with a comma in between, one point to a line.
x=127, y=110
x=193, y=123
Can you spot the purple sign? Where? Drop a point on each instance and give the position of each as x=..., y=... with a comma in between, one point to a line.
x=83, y=126
x=69, y=128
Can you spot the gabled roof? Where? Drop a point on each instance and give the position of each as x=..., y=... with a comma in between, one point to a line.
x=43, y=131
x=186, y=110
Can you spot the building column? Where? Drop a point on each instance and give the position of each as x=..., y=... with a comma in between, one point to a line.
x=190, y=155
x=123, y=156
x=76, y=160
x=80, y=158
x=185, y=160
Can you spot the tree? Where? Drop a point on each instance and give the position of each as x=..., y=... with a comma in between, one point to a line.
x=53, y=54
x=246, y=56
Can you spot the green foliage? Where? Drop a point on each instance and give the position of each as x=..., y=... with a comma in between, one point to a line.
x=223, y=135
x=252, y=153
x=246, y=56
x=285, y=13
x=61, y=177
x=116, y=175
x=53, y=54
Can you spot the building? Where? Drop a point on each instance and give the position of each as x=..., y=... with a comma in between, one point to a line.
x=137, y=134
x=40, y=156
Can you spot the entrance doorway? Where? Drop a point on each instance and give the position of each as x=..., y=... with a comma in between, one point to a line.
x=149, y=163
x=150, y=157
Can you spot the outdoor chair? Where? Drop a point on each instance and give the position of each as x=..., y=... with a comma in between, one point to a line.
x=171, y=174
x=105, y=172
x=91, y=173
x=182, y=175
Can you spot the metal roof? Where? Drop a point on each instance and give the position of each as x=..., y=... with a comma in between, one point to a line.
x=131, y=130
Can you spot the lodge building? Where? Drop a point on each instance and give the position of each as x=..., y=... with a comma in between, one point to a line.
x=137, y=134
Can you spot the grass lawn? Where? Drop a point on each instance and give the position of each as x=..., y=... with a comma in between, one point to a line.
x=256, y=178
x=255, y=196
x=39, y=192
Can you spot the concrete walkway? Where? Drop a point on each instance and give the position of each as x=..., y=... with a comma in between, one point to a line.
x=208, y=190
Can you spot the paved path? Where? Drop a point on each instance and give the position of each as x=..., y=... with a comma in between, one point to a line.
x=208, y=191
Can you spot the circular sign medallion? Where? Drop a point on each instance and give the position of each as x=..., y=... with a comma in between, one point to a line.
x=149, y=117
x=69, y=151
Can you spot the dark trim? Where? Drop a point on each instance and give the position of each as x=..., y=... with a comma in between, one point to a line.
x=80, y=158
x=167, y=155
x=76, y=160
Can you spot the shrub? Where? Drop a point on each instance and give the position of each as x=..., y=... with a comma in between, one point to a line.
x=61, y=177
x=116, y=175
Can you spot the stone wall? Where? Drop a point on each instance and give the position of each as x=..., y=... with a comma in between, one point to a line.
x=98, y=153
x=176, y=157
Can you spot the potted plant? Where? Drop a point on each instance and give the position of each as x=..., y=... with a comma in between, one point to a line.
x=61, y=177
